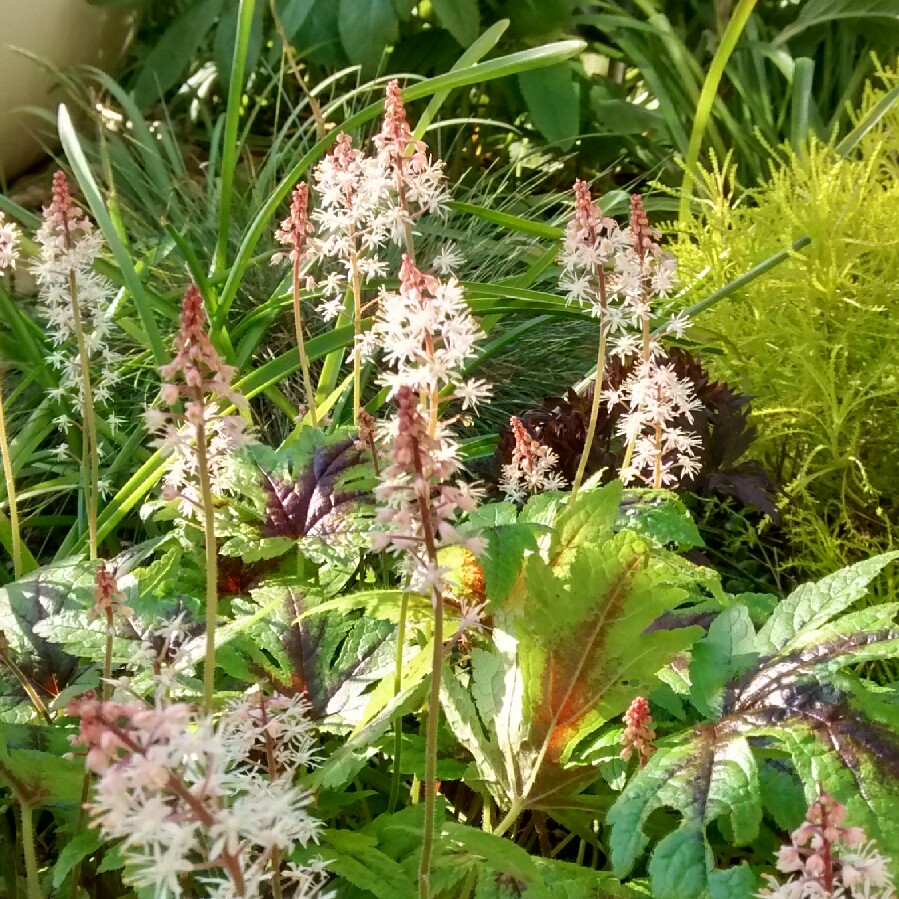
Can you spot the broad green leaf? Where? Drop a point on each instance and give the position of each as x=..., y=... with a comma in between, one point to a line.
x=727, y=650
x=811, y=605
x=739, y=882
x=367, y=28
x=662, y=517
x=506, y=549
x=782, y=794
x=356, y=858
x=76, y=850
x=462, y=718
x=461, y=18
x=854, y=759
x=83, y=636
x=173, y=53
x=589, y=522
x=583, y=644
x=553, y=100
x=680, y=866
x=39, y=778
x=711, y=775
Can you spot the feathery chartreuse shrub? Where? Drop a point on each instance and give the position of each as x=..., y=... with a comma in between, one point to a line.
x=815, y=341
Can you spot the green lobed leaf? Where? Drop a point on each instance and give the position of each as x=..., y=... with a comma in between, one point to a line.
x=708, y=775
x=356, y=858
x=680, y=866
x=728, y=649
x=739, y=882
x=811, y=605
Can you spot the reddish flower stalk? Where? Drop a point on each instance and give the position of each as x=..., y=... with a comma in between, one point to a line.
x=393, y=141
x=62, y=220
x=407, y=452
x=294, y=233
x=197, y=370
x=638, y=734
x=108, y=606
x=828, y=860
x=532, y=468
x=585, y=229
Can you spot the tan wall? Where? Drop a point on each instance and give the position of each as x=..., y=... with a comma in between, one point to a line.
x=65, y=33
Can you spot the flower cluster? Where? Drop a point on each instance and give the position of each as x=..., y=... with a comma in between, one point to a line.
x=203, y=796
x=107, y=596
x=663, y=453
x=592, y=241
x=74, y=301
x=533, y=469
x=427, y=334
x=829, y=861
x=351, y=220
x=9, y=244
x=420, y=180
x=638, y=734
x=296, y=228
x=418, y=499
x=365, y=202
x=618, y=273
x=199, y=377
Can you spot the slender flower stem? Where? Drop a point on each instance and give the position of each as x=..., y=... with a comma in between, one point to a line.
x=397, y=687
x=107, y=657
x=272, y=773
x=424, y=871
x=657, y=456
x=32, y=877
x=91, y=458
x=597, y=390
x=357, y=329
x=10, y=491
x=401, y=194
x=427, y=846
x=211, y=564
x=301, y=344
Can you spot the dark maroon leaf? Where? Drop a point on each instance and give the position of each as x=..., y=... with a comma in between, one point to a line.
x=722, y=425
x=313, y=504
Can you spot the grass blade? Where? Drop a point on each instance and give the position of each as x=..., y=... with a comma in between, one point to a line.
x=707, y=97
x=232, y=120
x=495, y=68
x=120, y=252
